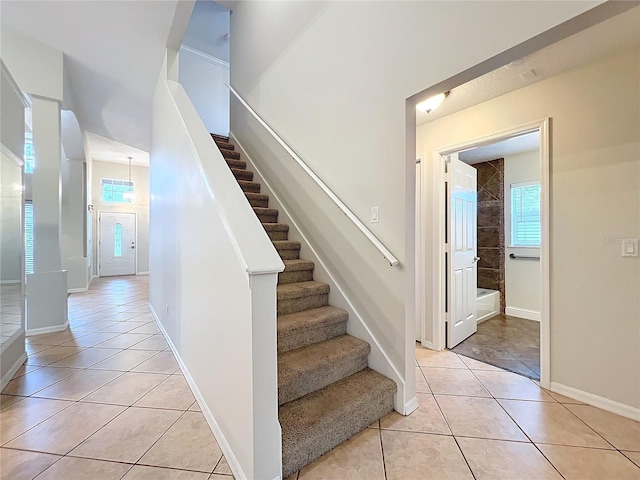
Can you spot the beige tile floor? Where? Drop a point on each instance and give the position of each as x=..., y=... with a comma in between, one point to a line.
x=106, y=400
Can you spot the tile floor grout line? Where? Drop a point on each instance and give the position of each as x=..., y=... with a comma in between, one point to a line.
x=384, y=463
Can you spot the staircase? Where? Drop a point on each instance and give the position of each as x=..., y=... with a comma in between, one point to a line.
x=326, y=392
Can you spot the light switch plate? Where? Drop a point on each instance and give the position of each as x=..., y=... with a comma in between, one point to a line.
x=630, y=247
x=375, y=218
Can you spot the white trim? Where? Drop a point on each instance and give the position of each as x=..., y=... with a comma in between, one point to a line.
x=9, y=282
x=218, y=62
x=93, y=277
x=12, y=371
x=77, y=290
x=14, y=85
x=99, y=235
x=12, y=156
x=393, y=261
x=421, y=308
x=217, y=431
x=522, y=313
x=354, y=314
x=43, y=330
x=411, y=406
x=143, y=273
x=597, y=401
x=431, y=251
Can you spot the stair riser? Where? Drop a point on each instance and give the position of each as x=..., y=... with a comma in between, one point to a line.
x=243, y=175
x=310, y=336
x=291, y=254
x=267, y=217
x=239, y=164
x=230, y=154
x=250, y=187
x=259, y=202
x=357, y=418
x=225, y=146
x=294, y=305
x=219, y=138
x=293, y=277
x=278, y=235
x=321, y=377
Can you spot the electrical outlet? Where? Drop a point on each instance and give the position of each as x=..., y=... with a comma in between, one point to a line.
x=375, y=217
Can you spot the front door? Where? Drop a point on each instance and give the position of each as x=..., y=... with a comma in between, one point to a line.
x=117, y=250
x=462, y=258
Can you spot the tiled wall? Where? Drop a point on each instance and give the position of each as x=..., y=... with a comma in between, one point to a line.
x=491, y=226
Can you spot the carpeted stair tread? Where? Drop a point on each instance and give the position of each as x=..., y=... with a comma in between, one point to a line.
x=225, y=146
x=315, y=366
x=304, y=328
x=296, y=297
x=257, y=199
x=219, y=138
x=287, y=249
x=249, y=186
x=277, y=231
x=238, y=164
x=316, y=423
x=266, y=215
x=230, y=154
x=296, y=271
x=242, y=174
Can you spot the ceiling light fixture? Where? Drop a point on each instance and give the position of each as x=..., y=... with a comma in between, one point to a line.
x=128, y=195
x=432, y=103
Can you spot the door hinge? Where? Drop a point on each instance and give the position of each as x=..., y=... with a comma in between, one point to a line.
x=446, y=248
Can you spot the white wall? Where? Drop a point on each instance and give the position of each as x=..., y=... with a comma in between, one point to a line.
x=522, y=277
x=595, y=200
x=213, y=285
x=332, y=78
x=140, y=179
x=204, y=78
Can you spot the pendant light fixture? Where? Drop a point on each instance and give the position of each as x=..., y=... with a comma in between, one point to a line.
x=129, y=196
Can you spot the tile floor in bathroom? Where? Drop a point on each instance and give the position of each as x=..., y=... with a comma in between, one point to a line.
x=106, y=399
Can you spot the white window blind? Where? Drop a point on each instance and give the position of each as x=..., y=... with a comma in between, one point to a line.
x=113, y=190
x=525, y=214
x=28, y=152
x=28, y=237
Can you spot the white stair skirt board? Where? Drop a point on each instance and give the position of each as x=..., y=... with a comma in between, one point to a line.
x=217, y=432
x=522, y=313
x=597, y=401
x=12, y=371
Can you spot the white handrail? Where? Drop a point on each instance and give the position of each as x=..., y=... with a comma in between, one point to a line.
x=393, y=261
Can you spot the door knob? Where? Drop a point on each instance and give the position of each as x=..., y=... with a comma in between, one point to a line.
x=476, y=259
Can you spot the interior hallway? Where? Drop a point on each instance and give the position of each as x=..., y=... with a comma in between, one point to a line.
x=106, y=399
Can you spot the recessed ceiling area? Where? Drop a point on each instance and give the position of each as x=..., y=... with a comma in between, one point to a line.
x=511, y=146
x=106, y=150
x=617, y=34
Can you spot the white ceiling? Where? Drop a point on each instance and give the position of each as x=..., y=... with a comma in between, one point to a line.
x=208, y=29
x=107, y=150
x=617, y=34
x=113, y=54
x=511, y=146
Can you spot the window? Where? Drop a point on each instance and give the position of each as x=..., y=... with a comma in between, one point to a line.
x=28, y=237
x=525, y=214
x=28, y=152
x=113, y=191
x=117, y=240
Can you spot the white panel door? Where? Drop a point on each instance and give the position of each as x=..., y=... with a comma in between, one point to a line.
x=462, y=203
x=117, y=251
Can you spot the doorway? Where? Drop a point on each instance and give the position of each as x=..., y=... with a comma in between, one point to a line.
x=117, y=244
x=438, y=293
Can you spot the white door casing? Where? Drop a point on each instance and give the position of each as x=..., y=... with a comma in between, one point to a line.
x=117, y=249
x=462, y=259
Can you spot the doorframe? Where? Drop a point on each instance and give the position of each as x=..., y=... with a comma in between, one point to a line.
x=430, y=263
x=99, y=239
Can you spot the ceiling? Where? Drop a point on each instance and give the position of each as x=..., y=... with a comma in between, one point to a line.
x=511, y=146
x=113, y=51
x=208, y=29
x=616, y=34
x=107, y=150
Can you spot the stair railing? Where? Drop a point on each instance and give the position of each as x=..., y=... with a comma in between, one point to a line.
x=393, y=261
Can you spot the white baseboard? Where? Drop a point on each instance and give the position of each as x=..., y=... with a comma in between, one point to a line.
x=595, y=400
x=411, y=406
x=217, y=432
x=12, y=371
x=9, y=282
x=77, y=290
x=522, y=313
x=143, y=273
x=93, y=277
x=42, y=331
